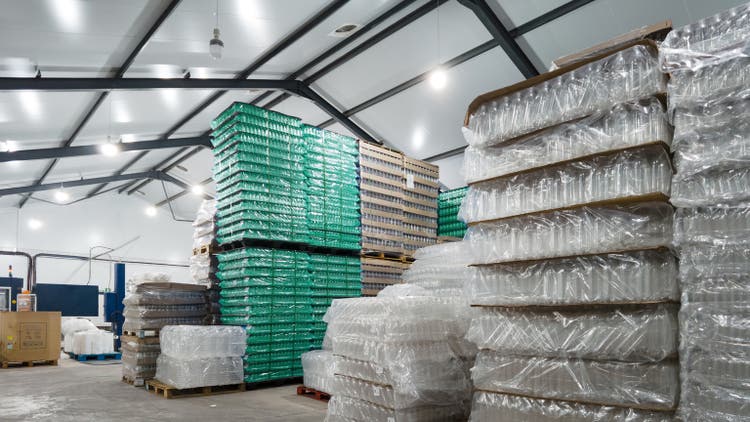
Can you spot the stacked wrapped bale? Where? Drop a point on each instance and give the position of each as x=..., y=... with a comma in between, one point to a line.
x=269, y=292
x=709, y=69
x=448, y=204
x=318, y=367
x=259, y=174
x=151, y=307
x=332, y=277
x=421, y=185
x=203, y=262
x=332, y=189
x=568, y=176
x=395, y=360
x=200, y=356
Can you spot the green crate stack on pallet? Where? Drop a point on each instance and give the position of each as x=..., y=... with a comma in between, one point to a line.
x=333, y=277
x=333, y=217
x=258, y=169
x=448, y=204
x=270, y=292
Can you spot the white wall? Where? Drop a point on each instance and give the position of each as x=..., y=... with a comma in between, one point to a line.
x=108, y=220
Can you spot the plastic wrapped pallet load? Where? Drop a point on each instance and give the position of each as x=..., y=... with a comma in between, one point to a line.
x=70, y=326
x=318, y=368
x=395, y=356
x=93, y=342
x=155, y=305
x=200, y=356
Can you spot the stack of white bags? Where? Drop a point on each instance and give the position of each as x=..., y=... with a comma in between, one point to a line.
x=81, y=337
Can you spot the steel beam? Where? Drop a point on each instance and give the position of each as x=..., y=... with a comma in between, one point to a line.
x=161, y=164
x=132, y=84
x=503, y=37
x=277, y=48
x=80, y=182
x=181, y=194
x=100, y=98
x=78, y=151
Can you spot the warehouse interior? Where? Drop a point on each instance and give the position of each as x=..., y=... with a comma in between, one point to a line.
x=389, y=210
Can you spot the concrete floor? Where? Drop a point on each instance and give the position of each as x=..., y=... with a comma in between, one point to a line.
x=75, y=391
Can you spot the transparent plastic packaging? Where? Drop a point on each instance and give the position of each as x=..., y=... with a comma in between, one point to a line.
x=715, y=273
x=393, y=398
x=492, y=407
x=70, y=326
x=206, y=212
x=632, y=277
x=160, y=293
x=715, y=187
x=585, y=230
x=200, y=268
x=199, y=341
x=623, y=126
x=348, y=409
x=653, y=386
x=707, y=40
x=644, y=334
x=318, y=368
x=695, y=86
x=137, y=279
x=164, y=311
x=135, y=324
x=628, y=173
x=717, y=226
x=93, y=342
x=199, y=372
x=626, y=75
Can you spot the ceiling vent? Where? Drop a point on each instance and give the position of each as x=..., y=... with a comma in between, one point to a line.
x=345, y=30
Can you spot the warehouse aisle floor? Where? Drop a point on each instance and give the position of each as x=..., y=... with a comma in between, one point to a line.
x=88, y=392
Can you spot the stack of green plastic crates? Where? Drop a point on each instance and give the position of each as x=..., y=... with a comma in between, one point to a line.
x=333, y=217
x=448, y=204
x=270, y=292
x=258, y=169
x=333, y=277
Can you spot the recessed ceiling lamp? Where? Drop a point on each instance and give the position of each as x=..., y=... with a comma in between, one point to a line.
x=216, y=45
x=345, y=30
x=61, y=196
x=197, y=190
x=35, y=224
x=151, y=211
x=110, y=149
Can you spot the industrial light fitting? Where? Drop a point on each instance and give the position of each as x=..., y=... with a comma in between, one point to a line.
x=151, y=211
x=216, y=45
x=197, y=190
x=110, y=149
x=62, y=196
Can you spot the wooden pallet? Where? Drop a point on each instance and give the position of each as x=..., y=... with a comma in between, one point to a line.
x=100, y=356
x=273, y=383
x=313, y=393
x=135, y=382
x=141, y=333
x=206, y=249
x=167, y=391
x=29, y=364
x=390, y=256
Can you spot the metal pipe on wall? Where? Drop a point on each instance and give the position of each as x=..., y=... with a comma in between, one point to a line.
x=29, y=268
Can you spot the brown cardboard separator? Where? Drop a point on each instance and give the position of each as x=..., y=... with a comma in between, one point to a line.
x=384, y=263
x=625, y=200
x=417, y=211
x=385, y=214
x=364, y=172
x=488, y=96
x=421, y=223
x=611, y=152
x=560, y=258
x=376, y=247
x=432, y=203
x=432, y=193
x=589, y=403
x=364, y=186
x=397, y=183
x=363, y=198
x=367, y=233
x=382, y=269
x=381, y=225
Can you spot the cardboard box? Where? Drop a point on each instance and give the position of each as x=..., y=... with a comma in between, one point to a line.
x=29, y=336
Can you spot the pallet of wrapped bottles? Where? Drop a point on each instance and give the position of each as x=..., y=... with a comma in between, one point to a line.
x=449, y=203
x=421, y=186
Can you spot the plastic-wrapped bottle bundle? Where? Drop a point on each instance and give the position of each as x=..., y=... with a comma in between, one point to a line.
x=268, y=291
x=200, y=356
x=259, y=174
x=579, y=231
x=71, y=326
x=93, y=342
x=318, y=367
x=155, y=305
x=332, y=277
x=624, y=76
x=632, y=173
x=709, y=70
x=392, y=358
x=421, y=191
x=204, y=227
x=332, y=190
x=448, y=204
x=382, y=198
x=622, y=126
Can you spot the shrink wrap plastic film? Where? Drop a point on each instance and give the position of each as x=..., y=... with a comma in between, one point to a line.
x=134, y=324
x=707, y=41
x=199, y=372
x=140, y=358
x=715, y=273
x=491, y=407
x=348, y=409
x=94, y=342
x=137, y=279
x=715, y=134
x=632, y=277
x=648, y=334
x=719, y=187
x=318, y=368
x=696, y=86
x=133, y=370
x=70, y=326
x=166, y=294
x=196, y=341
x=390, y=397
x=653, y=386
x=155, y=305
x=626, y=75
x=717, y=226
x=205, y=214
x=585, y=230
x=200, y=268
x=625, y=174
x=623, y=126
x=164, y=311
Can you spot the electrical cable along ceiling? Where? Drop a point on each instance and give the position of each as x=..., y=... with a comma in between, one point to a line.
x=141, y=80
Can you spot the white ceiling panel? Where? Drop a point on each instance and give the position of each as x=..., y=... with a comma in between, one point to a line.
x=32, y=116
x=423, y=122
x=339, y=128
x=147, y=114
x=405, y=54
x=303, y=108
x=199, y=167
x=514, y=13
x=358, y=12
x=248, y=28
x=604, y=19
x=19, y=173
x=451, y=173
x=73, y=33
x=10, y=201
x=185, y=206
